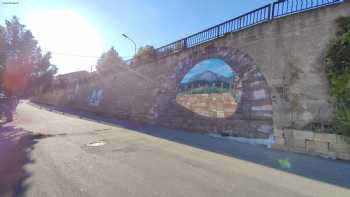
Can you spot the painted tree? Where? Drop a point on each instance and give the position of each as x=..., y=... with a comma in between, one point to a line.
x=110, y=61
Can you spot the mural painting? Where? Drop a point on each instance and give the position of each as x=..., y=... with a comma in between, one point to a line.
x=95, y=97
x=210, y=89
x=218, y=90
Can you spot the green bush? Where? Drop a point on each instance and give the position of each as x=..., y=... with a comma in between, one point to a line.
x=205, y=90
x=145, y=54
x=338, y=72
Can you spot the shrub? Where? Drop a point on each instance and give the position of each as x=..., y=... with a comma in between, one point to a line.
x=338, y=72
x=145, y=54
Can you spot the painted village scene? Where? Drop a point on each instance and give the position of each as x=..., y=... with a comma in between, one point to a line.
x=211, y=89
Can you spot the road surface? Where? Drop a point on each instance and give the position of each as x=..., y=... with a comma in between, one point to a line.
x=45, y=153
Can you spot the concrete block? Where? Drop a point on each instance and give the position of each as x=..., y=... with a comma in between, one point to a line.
x=325, y=137
x=280, y=140
x=310, y=147
x=321, y=147
x=278, y=132
x=299, y=144
x=344, y=156
x=303, y=135
x=340, y=147
x=288, y=133
x=288, y=136
x=340, y=138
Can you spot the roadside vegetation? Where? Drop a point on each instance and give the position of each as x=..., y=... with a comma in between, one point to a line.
x=338, y=72
x=145, y=54
x=110, y=61
x=24, y=67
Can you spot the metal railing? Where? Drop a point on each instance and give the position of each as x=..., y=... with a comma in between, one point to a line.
x=287, y=7
x=266, y=13
x=246, y=20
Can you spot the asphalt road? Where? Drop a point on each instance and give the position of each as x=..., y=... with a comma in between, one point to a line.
x=44, y=153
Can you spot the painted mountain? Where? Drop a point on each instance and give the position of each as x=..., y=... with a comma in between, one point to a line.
x=207, y=77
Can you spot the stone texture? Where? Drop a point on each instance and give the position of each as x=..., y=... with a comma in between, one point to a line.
x=264, y=56
x=312, y=143
x=212, y=105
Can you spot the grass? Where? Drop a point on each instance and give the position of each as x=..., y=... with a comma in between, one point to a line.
x=205, y=90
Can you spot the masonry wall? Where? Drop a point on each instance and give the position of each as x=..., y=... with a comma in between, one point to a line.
x=320, y=144
x=287, y=52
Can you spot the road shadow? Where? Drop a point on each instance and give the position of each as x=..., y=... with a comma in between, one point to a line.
x=329, y=171
x=16, y=145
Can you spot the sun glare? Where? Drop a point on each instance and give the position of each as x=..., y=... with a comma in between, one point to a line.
x=69, y=36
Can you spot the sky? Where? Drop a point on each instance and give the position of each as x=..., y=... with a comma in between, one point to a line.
x=214, y=65
x=78, y=32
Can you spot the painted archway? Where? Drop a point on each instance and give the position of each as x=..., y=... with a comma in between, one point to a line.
x=210, y=89
x=252, y=115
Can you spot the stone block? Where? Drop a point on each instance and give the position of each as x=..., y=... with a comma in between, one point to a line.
x=299, y=144
x=343, y=139
x=288, y=136
x=303, y=135
x=288, y=133
x=278, y=132
x=340, y=147
x=344, y=156
x=310, y=147
x=340, y=138
x=325, y=137
x=280, y=140
x=321, y=147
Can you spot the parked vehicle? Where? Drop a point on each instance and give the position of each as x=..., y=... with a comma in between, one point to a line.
x=7, y=106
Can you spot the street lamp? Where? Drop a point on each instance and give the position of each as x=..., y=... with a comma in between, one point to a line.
x=127, y=37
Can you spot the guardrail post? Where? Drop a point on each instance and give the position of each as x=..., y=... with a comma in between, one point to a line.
x=273, y=11
x=240, y=23
x=218, y=31
x=269, y=12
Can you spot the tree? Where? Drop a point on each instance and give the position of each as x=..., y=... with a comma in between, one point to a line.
x=22, y=61
x=3, y=49
x=43, y=74
x=338, y=71
x=145, y=54
x=110, y=61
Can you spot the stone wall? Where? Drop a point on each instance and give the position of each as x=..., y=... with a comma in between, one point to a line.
x=321, y=144
x=281, y=64
x=209, y=105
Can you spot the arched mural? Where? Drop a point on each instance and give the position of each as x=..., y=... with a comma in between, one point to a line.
x=210, y=89
x=217, y=90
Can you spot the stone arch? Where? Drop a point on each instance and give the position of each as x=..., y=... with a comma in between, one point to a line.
x=253, y=118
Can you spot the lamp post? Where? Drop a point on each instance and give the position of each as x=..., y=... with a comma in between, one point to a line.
x=127, y=37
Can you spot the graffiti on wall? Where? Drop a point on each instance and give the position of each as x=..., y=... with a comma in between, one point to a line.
x=211, y=89
x=95, y=97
